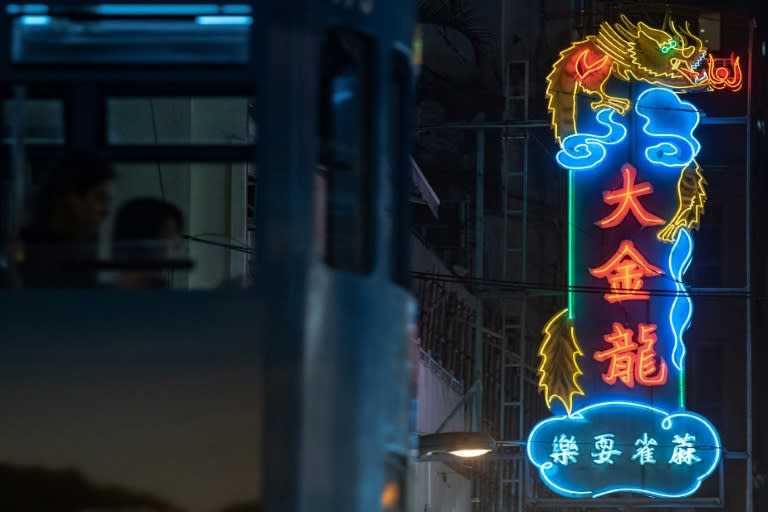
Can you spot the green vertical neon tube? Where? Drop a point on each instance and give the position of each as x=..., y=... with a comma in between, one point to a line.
x=571, y=219
x=682, y=389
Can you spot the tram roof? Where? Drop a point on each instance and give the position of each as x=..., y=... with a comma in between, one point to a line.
x=129, y=42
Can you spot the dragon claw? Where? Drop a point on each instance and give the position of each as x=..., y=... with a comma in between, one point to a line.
x=620, y=105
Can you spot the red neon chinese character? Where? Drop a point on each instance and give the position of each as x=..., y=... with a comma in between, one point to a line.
x=626, y=199
x=624, y=272
x=646, y=358
x=622, y=356
x=628, y=363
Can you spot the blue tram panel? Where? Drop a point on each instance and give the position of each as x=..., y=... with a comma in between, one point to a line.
x=345, y=173
x=315, y=356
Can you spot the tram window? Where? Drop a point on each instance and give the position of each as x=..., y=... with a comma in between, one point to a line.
x=213, y=199
x=400, y=167
x=43, y=121
x=344, y=161
x=180, y=120
x=208, y=249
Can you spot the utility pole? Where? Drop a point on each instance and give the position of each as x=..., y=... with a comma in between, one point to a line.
x=749, y=506
x=478, y=269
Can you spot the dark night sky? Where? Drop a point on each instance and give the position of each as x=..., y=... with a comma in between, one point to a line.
x=169, y=406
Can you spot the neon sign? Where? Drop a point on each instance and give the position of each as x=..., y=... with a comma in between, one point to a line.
x=627, y=199
x=680, y=313
x=630, y=361
x=622, y=446
x=582, y=152
x=612, y=364
x=624, y=272
x=559, y=368
x=725, y=73
x=673, y=58
x=691, y=196
x=672, y=120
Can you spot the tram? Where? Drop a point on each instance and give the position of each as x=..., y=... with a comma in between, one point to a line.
x=280, y=129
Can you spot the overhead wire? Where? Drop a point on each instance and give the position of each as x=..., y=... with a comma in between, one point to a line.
x=505, y=285
x=232, y=247
x=421, y=129
x=156, y=138
x=582, y=229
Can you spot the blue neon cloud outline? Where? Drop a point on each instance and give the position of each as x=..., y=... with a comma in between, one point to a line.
x=690, y=141
x=585, y=146
x=681, y=312
x=666, y=424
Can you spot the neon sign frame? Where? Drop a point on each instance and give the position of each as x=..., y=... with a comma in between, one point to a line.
x=666, y=425
x=666, y=147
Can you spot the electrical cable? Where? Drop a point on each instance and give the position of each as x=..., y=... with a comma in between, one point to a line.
x=231, y=247
x=154, y=133
x=572, y=94
x=220, y=235
x=503, y=285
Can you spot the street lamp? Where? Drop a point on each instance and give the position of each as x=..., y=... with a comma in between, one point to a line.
x=459, y=444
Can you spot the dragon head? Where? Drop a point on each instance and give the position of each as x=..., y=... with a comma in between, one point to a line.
x=674, y=57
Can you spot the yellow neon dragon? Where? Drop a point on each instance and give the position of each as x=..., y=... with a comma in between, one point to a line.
x=627, y=51
x=670, y=57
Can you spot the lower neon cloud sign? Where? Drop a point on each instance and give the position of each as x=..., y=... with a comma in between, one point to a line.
x=624, y=447
x=612, y=362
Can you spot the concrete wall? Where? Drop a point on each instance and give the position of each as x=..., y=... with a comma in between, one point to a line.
x=437, y=487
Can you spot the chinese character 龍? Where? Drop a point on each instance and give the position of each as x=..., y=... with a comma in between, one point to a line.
x=630, y=361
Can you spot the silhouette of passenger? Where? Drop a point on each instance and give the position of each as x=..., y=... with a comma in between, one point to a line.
x=147, y=231
x=63, y=232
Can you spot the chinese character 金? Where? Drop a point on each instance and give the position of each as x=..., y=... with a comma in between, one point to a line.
x=684, y=452
x=604, y=444
x=564, y=450
x=631, y=362
x=644, y=451
x=627, y=200
x=624, y=272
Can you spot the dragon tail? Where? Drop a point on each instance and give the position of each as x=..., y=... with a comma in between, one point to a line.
x=561, y=95
x=558, y=355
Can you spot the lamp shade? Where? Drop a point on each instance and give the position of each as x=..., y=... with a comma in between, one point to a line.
x=460, y=444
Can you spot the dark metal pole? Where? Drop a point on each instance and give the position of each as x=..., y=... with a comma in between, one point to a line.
x=748, y=228
x=478, y=271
